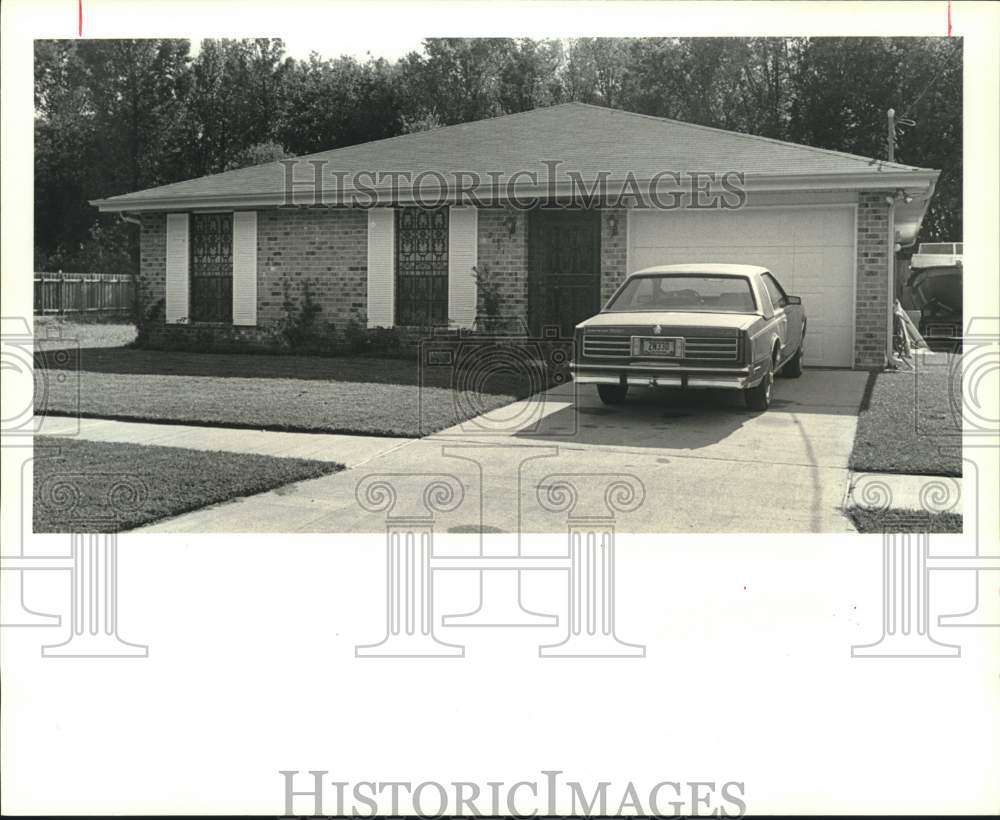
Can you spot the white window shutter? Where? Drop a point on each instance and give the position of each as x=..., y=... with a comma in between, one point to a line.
x=381, y=267
x=176, y=309
x=463, y=247
x=245, y=268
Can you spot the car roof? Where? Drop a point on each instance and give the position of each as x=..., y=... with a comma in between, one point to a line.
x=714, y=268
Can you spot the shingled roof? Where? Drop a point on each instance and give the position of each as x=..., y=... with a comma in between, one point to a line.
x=585, y=139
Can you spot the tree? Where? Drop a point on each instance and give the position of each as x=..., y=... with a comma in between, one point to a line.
x=258, y=154
x=120, y=115
x=844, y=89
x=529, y=76
x=105, y=113
x=596, y=70
x=237, y=100
x=334, y=103
x=455, y=79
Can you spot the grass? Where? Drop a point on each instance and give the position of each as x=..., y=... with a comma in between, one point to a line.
x=907, y=422
x=101, y=487
x=295, y=393
x=868, y=521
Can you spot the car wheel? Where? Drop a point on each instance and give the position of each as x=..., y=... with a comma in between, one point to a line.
x=759, y=397
x=793, y=367
x=612, y=393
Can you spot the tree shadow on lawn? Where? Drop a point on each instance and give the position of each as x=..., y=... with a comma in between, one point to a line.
x=495, y=380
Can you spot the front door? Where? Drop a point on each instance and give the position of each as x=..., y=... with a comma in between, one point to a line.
x=564, y=269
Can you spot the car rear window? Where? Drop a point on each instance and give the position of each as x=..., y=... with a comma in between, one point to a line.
x=680, y=292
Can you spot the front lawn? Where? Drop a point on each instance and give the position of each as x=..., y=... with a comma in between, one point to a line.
x=294, y=393
x=907, y=423
x=100, y=487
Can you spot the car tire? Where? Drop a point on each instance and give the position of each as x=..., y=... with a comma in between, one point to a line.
x=759, y=397
x=793, y=367
x=612, y=393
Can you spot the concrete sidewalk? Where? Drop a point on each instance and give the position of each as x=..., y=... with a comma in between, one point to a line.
x=697, y=461
x=902, y=491
x=700, y=461
x=351, y=451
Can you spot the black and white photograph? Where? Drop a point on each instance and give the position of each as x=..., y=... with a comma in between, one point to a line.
x=378, y=355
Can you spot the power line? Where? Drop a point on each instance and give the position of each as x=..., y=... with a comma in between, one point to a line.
x=934, y=79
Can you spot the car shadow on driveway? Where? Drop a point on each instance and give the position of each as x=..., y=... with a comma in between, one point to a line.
x=648, y=418
x=805, y=417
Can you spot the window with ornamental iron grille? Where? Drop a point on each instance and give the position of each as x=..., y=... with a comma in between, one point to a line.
x=211, y=237
x=421, y=266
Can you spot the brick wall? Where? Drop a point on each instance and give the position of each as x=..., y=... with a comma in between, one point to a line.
x=324, y=247
x=152, y=259
x=506, y=256
x=328, y=249
x=872, y=293
x=613, y=250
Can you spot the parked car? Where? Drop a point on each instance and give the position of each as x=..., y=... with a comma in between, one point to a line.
x=693, y=326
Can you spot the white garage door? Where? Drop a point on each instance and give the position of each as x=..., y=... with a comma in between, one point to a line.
x=809, y=249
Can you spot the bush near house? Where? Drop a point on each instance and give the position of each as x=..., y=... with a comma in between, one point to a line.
x=301, y=331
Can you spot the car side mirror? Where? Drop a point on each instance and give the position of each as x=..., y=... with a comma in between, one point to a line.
x=793, y=300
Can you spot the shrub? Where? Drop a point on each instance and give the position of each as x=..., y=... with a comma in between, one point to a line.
x=374, y=341
x=488, y=287
x=301, y=329
x=147, y=323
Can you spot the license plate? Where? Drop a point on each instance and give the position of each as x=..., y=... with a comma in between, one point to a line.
x=657, y=347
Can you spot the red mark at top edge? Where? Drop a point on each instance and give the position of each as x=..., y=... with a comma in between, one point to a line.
x=79, y=17
x=949, y=17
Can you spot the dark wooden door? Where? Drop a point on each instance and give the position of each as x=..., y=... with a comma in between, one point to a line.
x=564, y=269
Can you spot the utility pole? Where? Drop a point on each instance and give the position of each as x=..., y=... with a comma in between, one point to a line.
x=892, y=134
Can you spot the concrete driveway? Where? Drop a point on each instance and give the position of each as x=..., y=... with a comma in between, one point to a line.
x=665, y=461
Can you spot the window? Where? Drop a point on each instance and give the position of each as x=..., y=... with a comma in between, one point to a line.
x=211, y=237
x=689, y=293
x=421, y=267
x=774, y=290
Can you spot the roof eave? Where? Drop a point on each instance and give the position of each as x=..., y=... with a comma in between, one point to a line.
x=918, y=183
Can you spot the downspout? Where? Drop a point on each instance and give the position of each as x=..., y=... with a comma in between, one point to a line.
x=890, y=357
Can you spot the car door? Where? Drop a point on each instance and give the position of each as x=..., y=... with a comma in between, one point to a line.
x=790, y=313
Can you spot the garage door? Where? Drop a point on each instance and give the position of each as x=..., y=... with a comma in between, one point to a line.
x=810, y=250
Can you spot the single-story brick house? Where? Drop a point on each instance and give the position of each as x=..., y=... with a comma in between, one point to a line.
x=224, y=251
